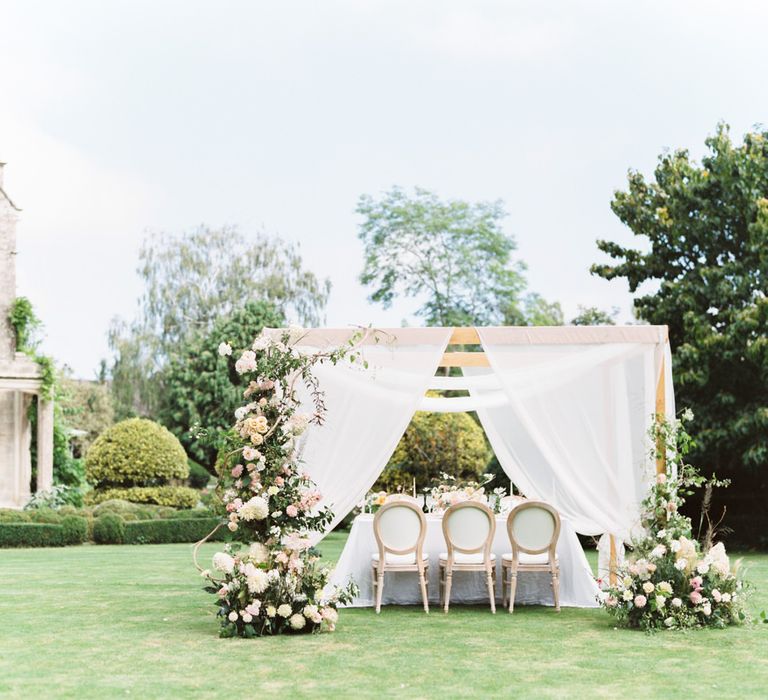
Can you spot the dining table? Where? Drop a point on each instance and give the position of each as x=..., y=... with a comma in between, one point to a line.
x=578, y=587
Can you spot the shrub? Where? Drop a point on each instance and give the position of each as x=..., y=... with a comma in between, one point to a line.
x=174, y=496
x=172, y=530
x=11, y=515
x=135, y=452
x=23, y=534
x=74, y=529
x=198, y=476
x=45, y=515
x=109, y=529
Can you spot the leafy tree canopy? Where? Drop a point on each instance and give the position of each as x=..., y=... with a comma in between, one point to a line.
x=191, y=280
x=593, y=316
x=706, y=233
x=202, y=390
x=450, y=255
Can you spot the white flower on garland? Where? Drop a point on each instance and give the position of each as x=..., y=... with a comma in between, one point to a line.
x=223, y=562
x=284, y=610
x=255, y=508
x=298, y=621
x=256, y=579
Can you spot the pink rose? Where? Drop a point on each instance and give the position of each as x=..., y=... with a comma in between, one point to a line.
x=292, y=511
x=696, y=597
x=222, y=593
x=696, y=582
x=611, y=601
x=279, y=480
x=640, y=601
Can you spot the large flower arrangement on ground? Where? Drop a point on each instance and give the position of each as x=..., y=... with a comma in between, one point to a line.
x=671, y=581
x=269, y=579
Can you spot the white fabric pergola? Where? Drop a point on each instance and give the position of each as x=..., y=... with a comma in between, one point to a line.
x=566, y=409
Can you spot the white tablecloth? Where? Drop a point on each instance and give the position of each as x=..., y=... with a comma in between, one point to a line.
x=577, y=584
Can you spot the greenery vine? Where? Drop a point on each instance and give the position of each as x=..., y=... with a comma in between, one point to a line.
x=25, y=324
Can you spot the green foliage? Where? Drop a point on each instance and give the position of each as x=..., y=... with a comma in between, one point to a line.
x=74, y=529
x=436, y=443
x=190, y=281
x=198, y=476
x=538, y=312
x=31, y=535
x=451, y=253
x=202, y=390
x=85, y=406
x=25, y=324
x=705, y=232
x=592, y=316
x=171, y=530
x=135, y=451
x=173, y=496
x=109, y=529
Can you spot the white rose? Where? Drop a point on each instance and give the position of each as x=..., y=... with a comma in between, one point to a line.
x=661, y=601
x=273, y=491
x=225, y=349
x=681, y=564
x=627, y=595
x=232, y=616
x=297, y=621
x=703, y=566
x=247, y=617
x=648, y=587
x=284, y=610
x=669, y=622
x=675, y=545
x=661, y=534
x=677, y=603
x=627, y=581
x=665, y=587
x=706, y=609
x=726, y=597
x=717, y=595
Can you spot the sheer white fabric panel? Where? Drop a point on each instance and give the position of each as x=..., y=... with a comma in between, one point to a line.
x=575, y=430
x=368, y=412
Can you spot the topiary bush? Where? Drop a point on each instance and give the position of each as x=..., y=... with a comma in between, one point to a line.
x=74, y=529
x=135, y=452
x=109, y=529
x=198, y=476
x=174, y=496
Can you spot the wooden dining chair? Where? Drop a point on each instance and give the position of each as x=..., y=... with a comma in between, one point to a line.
x=468, y=528
x=533, y=528
x=399, y=528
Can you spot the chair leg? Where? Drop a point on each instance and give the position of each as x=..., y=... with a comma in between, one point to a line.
x=503, y=586
x=556, y=588
x=424, y=596
x=379, y=589
x=512, y=589
x=491, y=591
x=447, y=592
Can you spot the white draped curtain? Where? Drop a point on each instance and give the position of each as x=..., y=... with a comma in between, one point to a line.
x=368, y=410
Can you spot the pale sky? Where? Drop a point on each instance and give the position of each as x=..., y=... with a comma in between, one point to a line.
x=118, y=118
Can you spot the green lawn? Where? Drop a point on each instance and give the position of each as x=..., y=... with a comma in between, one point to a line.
x=107, y=621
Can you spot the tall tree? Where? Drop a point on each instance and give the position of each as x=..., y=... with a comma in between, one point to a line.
x=593, y=316
x=450, y=255
x=192, y=279
x=706, y=228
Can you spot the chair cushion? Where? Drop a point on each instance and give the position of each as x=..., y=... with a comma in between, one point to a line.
x=462, y=558
x=399, y=558
x=525, y=558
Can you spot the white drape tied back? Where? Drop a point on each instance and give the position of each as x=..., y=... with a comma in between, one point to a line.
x=368, y=410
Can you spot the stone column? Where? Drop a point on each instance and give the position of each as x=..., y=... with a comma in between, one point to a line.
x=44, y=444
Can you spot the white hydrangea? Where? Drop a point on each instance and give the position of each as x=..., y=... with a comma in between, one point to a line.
x=223, y=562
x=255, y=508
x=297, y=621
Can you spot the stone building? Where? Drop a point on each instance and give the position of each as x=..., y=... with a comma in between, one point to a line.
x=20, y=384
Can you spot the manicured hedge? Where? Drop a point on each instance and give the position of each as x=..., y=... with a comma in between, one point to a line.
x=172, y=530
x=72, y=530
x=109, y=529
x=174, y=496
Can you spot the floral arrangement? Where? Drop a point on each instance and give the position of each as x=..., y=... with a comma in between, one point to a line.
x=448, y=490
x=268, y=580
x=671, y=581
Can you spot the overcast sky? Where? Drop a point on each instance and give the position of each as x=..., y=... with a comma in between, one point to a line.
x=119, y=118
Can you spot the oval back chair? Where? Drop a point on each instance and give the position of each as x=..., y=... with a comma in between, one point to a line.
x=399, y=528
x=468, y=528
x=533, y=528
